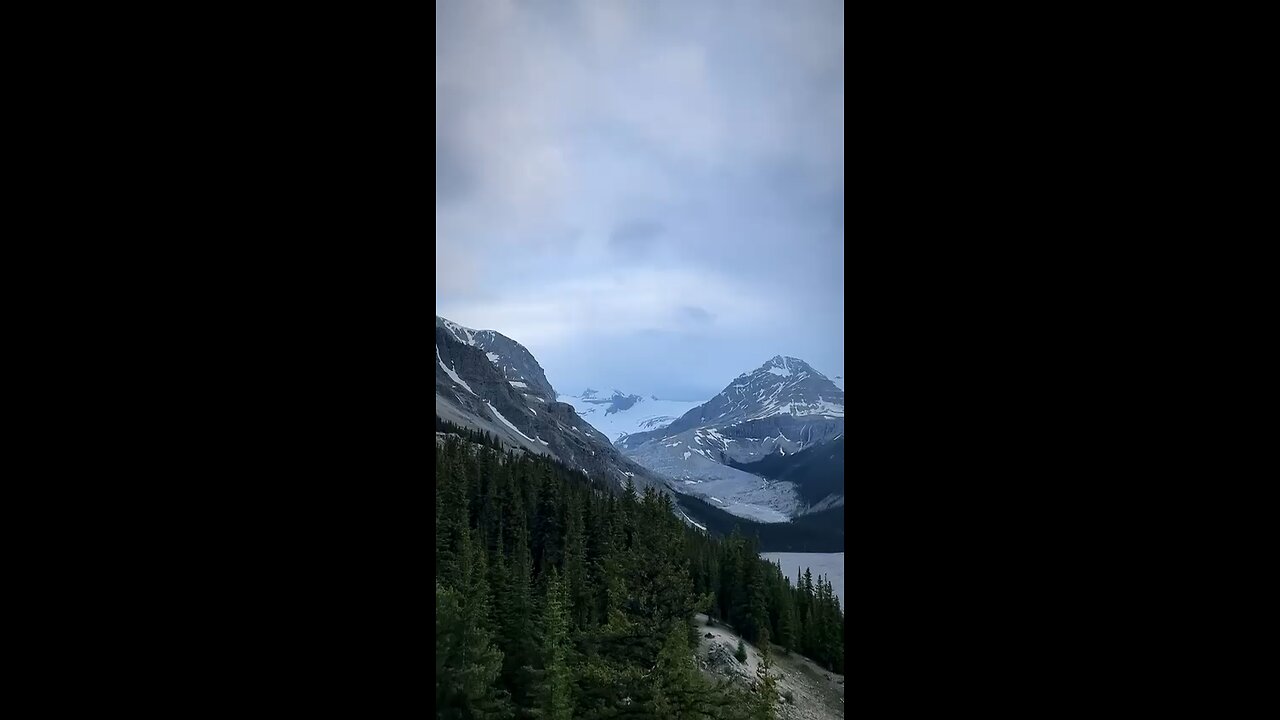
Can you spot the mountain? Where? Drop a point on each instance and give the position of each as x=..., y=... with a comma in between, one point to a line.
x=817, y=472
x=619, y=414
x=781, y=408
x=512, y=359
x=487, y=381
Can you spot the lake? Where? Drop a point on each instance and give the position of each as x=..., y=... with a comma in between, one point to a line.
x=829, y=565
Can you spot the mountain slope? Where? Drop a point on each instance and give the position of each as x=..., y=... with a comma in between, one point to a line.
x=475, y=389
x=779, y=409
x=817, y=472
x=513, y=360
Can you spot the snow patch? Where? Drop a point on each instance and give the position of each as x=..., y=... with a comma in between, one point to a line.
x=691, y=522
x=507, y=422
x=453, y=375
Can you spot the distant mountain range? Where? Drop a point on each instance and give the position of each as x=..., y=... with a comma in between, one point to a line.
x=618, y=414
x=768, y=448
x=729, y=450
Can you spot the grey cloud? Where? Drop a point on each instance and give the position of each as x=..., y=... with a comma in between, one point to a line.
x=696, y=314
x=636, y=235
x=592, y=139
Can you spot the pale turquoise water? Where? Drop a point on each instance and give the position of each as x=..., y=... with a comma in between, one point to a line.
x=830, y=565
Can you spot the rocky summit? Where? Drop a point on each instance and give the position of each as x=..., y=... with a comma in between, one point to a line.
x=718, y=450
x=487, y=381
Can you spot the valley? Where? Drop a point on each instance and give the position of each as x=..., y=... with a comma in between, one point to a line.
x=765, y=454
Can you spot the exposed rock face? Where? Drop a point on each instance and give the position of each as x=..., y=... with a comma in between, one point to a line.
x=782, y=408
x=475, y=390
x=784, y=400
x=516, y=364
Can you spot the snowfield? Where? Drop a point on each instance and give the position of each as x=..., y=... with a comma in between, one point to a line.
x=646, y=414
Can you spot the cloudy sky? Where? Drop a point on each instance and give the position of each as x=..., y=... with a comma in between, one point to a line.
x=647, y=195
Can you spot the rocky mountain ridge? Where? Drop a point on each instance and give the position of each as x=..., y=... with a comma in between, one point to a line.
x=781, y=408
x=476, y=388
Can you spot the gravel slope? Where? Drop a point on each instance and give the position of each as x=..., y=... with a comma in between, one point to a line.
x=819, y=695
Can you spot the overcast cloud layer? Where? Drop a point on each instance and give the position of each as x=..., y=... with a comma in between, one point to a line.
x=647, y=195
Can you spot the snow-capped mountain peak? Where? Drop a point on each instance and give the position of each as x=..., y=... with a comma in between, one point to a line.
x=512, y=359
x=780, y=408
x=786, y=366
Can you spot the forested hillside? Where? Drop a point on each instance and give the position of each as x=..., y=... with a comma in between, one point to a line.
x=815, y=532
x=557, y=597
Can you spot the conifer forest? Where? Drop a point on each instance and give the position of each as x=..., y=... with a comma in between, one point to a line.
x=559, y=596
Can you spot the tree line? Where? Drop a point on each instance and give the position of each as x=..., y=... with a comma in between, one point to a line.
x=558, y=596
x=481, y=437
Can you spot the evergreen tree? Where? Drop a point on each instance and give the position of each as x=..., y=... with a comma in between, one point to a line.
x=786, y=618
x=554, y=700
x=680, y=691
x=517, y=625
x=560, y=597
x=575, y=563
x=548, y=529
x=766, y=691
x=467, y=663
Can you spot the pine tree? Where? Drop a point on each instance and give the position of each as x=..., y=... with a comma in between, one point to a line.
x=766, y=685
x=575, y=563
x=548, y=530
x=517, y=625
x=451, y=522
x=786, y=618
x=561, y=598
x=554, y=699
x=757, y=611
x=680, y=691
x=467, y=663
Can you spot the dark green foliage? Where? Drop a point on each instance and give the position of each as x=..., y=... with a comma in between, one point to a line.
x=467, y=661
x=766, y=690
x=786, y=616
x=741, y=652
x=816, y=532
x=555, y=702
x=475, y=436
x=557, y=598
